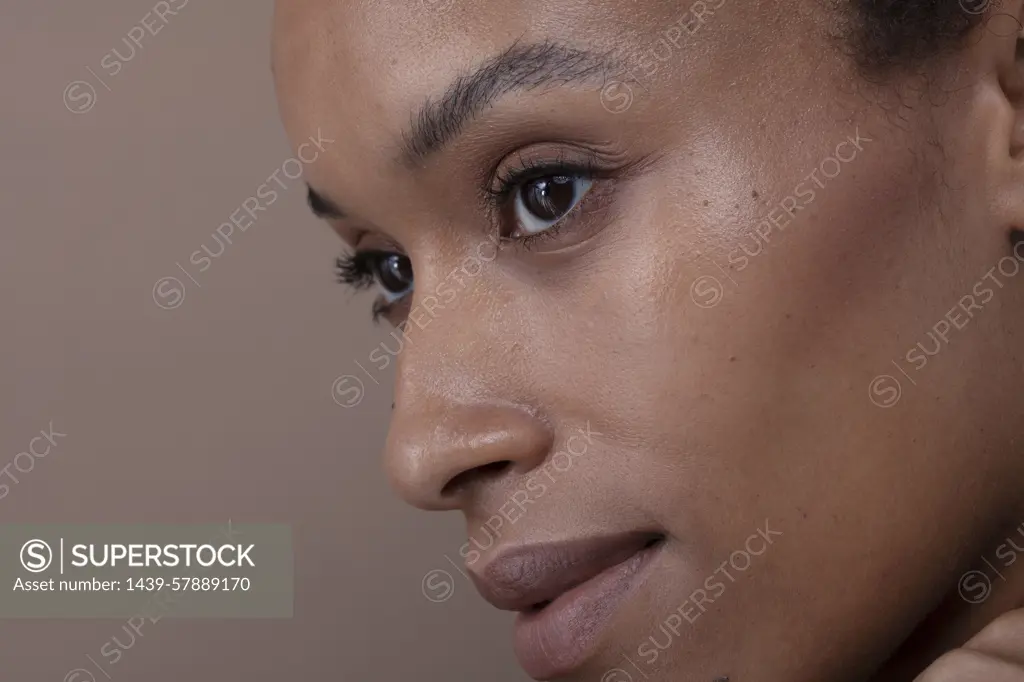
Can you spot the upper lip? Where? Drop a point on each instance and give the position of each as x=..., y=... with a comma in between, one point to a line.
x=526, y=577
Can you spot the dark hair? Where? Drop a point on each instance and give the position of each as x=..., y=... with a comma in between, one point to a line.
x=890, y=35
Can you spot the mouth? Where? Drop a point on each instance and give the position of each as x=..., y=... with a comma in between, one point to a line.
x=566, y=595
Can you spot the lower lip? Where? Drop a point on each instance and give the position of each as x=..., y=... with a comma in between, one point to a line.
x=560, y=637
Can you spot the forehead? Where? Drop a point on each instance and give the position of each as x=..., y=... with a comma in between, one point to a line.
x=375, y=61
x=400, y=51
x=360, y=71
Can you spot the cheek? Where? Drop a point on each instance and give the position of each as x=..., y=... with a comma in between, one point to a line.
x=741, y=338
x=753, y=384
x=775, y=334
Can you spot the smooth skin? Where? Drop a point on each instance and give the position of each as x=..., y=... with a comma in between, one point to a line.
x=716, y=404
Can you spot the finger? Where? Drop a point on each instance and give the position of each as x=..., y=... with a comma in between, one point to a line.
x=970, y=665
x=1002, y=638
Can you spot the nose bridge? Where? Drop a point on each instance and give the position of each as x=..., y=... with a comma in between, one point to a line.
x=459, y=419
x=436, y=332
x=449, y=279
x=450, y=336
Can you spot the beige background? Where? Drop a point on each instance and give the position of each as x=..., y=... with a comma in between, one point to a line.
x=222, y=407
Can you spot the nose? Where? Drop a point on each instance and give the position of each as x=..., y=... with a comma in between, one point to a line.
x=438, y=456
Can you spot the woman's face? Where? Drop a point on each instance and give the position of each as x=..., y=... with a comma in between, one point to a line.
x=662, y=272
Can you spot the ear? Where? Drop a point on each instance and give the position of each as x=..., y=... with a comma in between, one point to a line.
x=1005, y=28
x=999, y=57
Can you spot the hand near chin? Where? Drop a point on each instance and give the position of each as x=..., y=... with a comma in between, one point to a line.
x=996, y=654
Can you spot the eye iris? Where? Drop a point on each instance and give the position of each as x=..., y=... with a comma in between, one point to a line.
x=395, y=273
x=550, y=198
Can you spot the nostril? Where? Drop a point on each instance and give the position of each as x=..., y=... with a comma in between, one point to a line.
x=484, y=471
x=436, y=450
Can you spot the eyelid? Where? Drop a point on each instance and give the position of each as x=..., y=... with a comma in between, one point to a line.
x=537, y=161
x=378, y=242
x=386, y=310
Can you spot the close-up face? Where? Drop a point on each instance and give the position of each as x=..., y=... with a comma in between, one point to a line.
x=706, y=317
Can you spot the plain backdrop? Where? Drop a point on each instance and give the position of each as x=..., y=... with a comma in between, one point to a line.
x=222, y=406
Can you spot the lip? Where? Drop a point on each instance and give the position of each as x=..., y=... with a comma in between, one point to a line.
x=566, y=594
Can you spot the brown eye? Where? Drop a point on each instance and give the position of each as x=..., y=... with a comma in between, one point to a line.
x=393, y=273
x=543, y=202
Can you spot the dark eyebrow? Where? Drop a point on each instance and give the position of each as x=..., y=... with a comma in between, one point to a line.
x=323, y=207
x=520, y=67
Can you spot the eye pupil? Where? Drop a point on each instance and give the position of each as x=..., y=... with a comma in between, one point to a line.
x=550, y=198
x=395, y=273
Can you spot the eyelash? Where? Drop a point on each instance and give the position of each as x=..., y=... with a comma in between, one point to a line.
x=356, y=270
